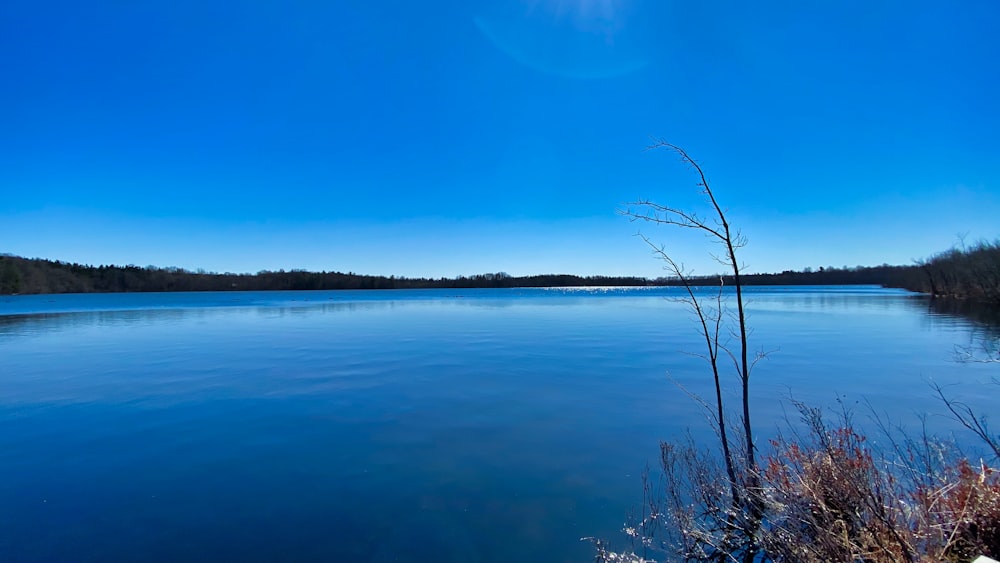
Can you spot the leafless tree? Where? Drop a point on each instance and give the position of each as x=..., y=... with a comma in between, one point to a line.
x=722, y=535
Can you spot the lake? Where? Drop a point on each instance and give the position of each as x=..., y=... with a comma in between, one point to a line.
x=416, y=425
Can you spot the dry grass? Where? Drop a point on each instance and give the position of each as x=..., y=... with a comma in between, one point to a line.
x=828, y=495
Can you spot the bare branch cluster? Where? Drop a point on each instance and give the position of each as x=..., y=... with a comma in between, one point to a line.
x=977, y=424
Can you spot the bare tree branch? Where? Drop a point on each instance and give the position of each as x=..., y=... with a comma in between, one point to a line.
x=744, y=478
x=965, y=416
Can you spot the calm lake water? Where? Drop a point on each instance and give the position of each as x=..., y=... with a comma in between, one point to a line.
x=437, y=425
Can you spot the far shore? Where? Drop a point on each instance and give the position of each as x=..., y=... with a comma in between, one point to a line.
x=38, y=276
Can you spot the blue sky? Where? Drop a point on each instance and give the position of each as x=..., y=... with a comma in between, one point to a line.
x=458, y=137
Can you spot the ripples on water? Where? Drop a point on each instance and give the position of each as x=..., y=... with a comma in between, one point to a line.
x=437, y=425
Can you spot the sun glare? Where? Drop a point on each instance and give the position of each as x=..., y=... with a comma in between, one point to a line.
x=594, y=15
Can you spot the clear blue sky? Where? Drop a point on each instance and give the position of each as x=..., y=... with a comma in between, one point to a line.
x=460, y=136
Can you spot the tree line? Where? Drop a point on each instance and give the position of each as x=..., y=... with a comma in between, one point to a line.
x=960, y=272
x=35, y=276
x=905, y=277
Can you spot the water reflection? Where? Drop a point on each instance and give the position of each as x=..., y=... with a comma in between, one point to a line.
x=501, y=425
x=39, y=323
x=982, y=314
x=981, y=320
x=35, y=314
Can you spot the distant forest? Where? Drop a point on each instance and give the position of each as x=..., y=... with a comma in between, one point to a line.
x=967, y=272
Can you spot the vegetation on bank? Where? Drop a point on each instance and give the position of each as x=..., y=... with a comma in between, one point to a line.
x=825, y=493
x=822, y=491
x=972, y=272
